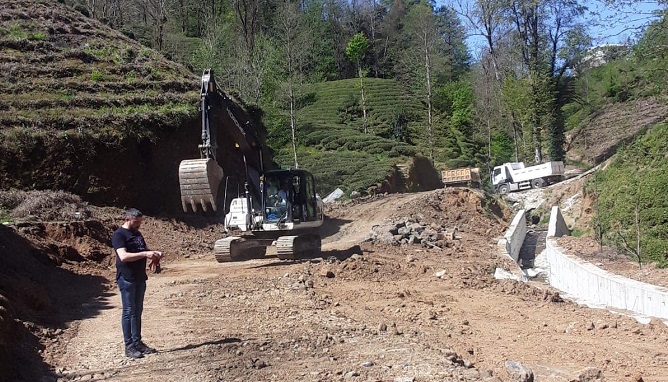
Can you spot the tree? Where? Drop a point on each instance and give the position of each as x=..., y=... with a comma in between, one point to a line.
x=355, y=51
x=290, y=34
x=422, y=29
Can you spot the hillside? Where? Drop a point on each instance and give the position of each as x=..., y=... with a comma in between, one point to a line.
x=85, y=109
x=88, y=110
x=335, y=148
x=632, y=198
x=599, y=136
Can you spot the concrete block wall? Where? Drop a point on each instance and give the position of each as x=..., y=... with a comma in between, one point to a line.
x=557, y=226
x=514, y=237
x=586, y=281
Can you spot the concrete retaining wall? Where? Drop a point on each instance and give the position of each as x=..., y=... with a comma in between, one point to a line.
x=514, y=237
x=557, y=226
x=586, y=281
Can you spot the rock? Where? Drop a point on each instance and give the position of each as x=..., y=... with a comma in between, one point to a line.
x=382, y=328
x=637, y=378
x=351, y=374
x=367, y=364
x=416, y=227
x=384, y=238
x=471, y=374
x=590, y=374
x=440, y=274
x=451, y=234
x=492, y=379
x=600, y=325
x=326, y=273
x=518, y=372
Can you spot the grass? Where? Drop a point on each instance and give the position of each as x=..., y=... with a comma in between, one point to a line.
x=332, y=143
x=345, y=169
x=5, y=217
x=581, y=232
x=633, y=196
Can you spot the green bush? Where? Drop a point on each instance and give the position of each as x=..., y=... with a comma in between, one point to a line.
x=633, y=195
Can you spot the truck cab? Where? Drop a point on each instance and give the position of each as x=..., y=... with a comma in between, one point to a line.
x=515, y=176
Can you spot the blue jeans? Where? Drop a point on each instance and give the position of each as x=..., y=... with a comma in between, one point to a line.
x=132, y=297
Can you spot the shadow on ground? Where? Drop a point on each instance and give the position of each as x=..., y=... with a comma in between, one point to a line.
x=40, y=299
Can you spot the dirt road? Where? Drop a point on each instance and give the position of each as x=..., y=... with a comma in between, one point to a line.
x=381, y=315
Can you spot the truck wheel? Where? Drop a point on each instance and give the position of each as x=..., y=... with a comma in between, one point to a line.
x=537, y=183
x=503, y=189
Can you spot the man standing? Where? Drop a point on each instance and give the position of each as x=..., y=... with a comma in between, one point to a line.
x=131, y=254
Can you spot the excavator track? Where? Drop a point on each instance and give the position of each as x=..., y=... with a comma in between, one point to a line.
x=235, y=248
x=298, y=247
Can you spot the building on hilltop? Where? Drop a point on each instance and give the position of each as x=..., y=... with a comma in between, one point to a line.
x=601, y=55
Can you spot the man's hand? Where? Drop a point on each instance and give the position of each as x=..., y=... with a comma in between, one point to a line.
x=153, y=255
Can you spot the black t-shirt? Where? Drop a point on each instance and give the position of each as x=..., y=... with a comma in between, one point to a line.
x=133, y=242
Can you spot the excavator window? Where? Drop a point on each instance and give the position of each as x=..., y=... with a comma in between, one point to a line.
x=277, y=197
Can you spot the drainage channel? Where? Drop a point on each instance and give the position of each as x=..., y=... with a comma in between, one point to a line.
x=533, y=245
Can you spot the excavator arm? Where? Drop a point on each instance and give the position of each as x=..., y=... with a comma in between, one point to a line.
x=222, y=118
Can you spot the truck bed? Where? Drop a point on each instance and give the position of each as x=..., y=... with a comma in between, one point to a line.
x=545, y=170
x=460, y=176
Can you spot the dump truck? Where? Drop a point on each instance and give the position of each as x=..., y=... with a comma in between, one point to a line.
x=461, y=177
x=515, y=176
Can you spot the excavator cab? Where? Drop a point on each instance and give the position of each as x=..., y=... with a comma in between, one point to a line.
x=289, y=197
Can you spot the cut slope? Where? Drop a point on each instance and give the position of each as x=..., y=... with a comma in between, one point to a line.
x=599, y=137
x=85, y=109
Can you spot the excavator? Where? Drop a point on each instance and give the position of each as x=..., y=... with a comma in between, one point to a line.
x=275, y=207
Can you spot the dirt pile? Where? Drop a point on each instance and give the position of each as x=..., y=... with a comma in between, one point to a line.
x=42, y=286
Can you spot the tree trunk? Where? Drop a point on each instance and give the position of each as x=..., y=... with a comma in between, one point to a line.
x=430, y=122
x=364, y=118
x=293, y=119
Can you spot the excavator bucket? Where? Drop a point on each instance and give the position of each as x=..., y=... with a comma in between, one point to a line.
x=199, y=180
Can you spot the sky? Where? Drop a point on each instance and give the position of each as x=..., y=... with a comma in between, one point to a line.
x=606, y=25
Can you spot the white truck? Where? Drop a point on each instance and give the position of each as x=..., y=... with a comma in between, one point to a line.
x=514, y=176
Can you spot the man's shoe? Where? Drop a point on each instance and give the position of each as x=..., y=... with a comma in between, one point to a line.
x=133, y=352
x=145, y=349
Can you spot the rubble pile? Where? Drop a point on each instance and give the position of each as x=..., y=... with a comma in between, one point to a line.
x=408, y=231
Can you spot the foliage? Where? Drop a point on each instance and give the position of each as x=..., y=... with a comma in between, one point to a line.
x=345, y=169
x=501, y=148
x=633, y=196
x=357, y=47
